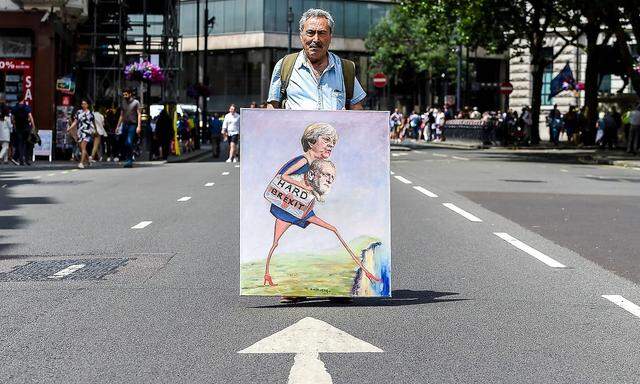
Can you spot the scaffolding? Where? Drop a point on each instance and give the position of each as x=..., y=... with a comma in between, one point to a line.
x=121, y=31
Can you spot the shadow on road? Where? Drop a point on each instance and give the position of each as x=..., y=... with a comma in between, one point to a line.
x=400, y=297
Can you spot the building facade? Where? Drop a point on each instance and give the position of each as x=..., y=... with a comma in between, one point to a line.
x=520, y=77
x=35, y=44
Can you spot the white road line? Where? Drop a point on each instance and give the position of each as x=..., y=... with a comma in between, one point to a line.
x=184, y=198
x=64, y=172
x=225, y=173
x=460, y=158
x=209, y=184
x=439, y=155
x=394, y=155
x=392, y=173
x=402, y=179
x=74, y=170
x=4, y=186
x=67, y=271
x=531, y=251
x=51, y=174
x=37, y=177
x=237, y=166
x=564, y=170
x=462, y=212
x=141, y=224
x=636, y=168
x=624, y=304
x=425, y=191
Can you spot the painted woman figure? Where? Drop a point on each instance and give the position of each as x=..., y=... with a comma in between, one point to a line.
x=318, y=141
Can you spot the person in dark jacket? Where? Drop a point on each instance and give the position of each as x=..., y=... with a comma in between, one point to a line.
x=164, y=133
x=215, y=128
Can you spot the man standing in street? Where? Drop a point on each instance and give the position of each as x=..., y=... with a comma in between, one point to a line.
x=131, y=120
x=23, y=124
x=314, y=78
x=634, y=131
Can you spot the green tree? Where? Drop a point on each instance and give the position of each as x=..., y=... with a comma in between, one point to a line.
x=403, y=43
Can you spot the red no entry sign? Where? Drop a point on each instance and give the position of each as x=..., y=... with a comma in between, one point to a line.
x=379, y=80
x=506, y=88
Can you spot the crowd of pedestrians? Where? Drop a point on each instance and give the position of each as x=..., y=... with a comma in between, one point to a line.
x=513, y=127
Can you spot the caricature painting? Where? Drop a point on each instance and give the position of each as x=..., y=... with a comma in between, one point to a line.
x=315, y=204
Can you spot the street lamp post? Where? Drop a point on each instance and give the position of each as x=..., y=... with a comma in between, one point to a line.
x=289, y=27
x=459, y=79
x=208, y=23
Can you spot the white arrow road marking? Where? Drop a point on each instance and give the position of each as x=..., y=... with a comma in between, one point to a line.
x=624, y=304
x=185, y=198
x=141, y=224
x=402, y=179
x=462, y=212
x=531, y=251
x=307, y=338
x=225, y=173
x=67, y=271
x=209, y=184
x=425, y=191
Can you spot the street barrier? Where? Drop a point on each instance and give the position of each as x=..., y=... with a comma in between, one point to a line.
x=468, y=132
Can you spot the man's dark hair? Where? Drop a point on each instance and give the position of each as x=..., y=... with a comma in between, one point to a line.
x=128, y=90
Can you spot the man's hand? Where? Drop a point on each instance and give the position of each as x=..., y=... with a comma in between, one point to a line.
x=138, y=130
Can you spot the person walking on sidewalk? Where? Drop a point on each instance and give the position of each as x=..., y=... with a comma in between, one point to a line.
x=634, y=131
x=131, y=120
x=164, y=133
x=23, y=125
x=231, y=130
x=99, y=134
x=5, y=133
x=215, y=129
x=84, y=124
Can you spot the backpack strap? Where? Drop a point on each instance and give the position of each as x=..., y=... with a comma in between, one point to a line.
x=349, y=75
x=285, y=74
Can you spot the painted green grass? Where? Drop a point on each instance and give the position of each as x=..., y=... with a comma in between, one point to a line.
x=326, y=273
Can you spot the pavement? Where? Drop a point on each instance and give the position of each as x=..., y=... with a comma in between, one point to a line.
x=500, y=267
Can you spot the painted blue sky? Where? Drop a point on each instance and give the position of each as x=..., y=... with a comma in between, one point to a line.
x=358, y=203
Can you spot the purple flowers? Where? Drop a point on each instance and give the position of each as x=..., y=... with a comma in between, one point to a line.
x=144, y=70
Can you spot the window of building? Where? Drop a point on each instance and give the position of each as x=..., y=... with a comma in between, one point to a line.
x=547, y=77
x=605, y=84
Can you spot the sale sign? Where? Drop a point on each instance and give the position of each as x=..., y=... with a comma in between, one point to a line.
x=25, y=68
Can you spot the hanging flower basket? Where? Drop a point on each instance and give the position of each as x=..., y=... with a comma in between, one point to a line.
x=144, y=70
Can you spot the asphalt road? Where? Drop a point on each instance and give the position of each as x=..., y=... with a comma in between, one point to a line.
x=467, y=305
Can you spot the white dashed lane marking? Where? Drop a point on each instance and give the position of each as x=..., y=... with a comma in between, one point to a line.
x=624, y=304
x=393, y=173
x=462, y=212
x=402, y=179
x=67, y=271
x=425, y=191
x=209, y=184
x=64, y=172
x=184, y=198
x=531, y=251
x=225, y=173
x=74, y=170
x=141, y=224
x=51, y=174
x=4, y=186
x=439, y=155
x=236, y=166
x=460, y=158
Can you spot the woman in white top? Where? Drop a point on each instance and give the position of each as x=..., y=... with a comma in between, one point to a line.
x=231, y=130
x=98, y=120
x=5, y=133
